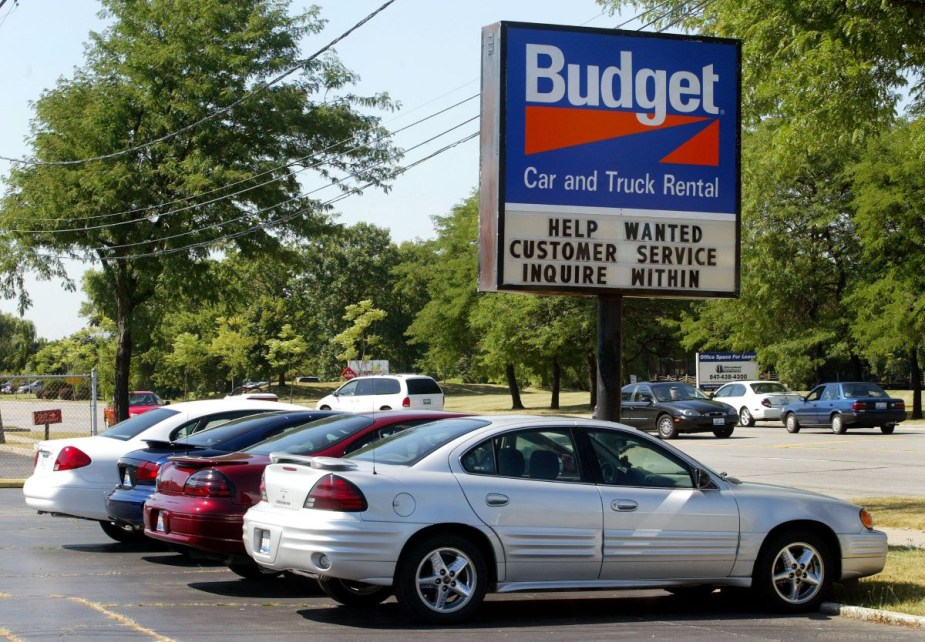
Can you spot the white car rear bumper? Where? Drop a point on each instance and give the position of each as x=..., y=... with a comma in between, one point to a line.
x=65, y=494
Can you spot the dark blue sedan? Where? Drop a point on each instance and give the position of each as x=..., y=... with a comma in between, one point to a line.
x=845, y=405
x=138, y=469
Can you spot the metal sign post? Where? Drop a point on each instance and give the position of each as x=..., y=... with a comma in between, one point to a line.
x=609, y=350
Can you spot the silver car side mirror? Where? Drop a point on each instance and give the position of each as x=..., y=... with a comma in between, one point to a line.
x=702, y=479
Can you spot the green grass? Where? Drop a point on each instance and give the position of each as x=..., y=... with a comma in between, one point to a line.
x=900, y=587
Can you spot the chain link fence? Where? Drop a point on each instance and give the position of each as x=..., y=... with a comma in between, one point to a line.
x=38, y=407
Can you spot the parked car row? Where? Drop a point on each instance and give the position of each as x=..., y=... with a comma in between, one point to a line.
x=838, y=405
x=440, y=508
x=29, y=387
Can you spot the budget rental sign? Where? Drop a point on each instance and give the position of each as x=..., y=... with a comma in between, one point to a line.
x=609, y=162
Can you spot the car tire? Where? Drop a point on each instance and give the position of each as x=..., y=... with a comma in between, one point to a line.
x=325, y=407
x=745, y=418
x=430, y=594
x=348, y=593
x=888, y=429
x=793, y=573
x=123, y=532
x=384, y=409
x=665, y=427
x=793, y=426
x=724, y=433
x=838, y=425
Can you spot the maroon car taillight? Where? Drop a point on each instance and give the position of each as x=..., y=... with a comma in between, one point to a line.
x=406, y=402
x=336, y=493
x=859, y=405
x=900, y=405
x=147, y=472
x=208, y=483
x=70, y=458
x=263, y=486
x=766, y=402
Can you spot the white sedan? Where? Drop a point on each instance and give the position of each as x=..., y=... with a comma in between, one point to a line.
x=756, y=400
x=445, y=512
x=73, y=476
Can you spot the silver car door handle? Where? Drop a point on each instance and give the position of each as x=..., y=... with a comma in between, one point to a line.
x=624, y=505
x=497, y=499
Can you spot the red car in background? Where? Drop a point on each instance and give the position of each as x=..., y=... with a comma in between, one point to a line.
x=200, y=502
x=139, y=402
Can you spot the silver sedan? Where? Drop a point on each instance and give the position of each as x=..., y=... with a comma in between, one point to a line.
x=443, y=513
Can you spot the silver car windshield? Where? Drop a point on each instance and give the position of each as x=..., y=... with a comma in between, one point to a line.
x=408, y=447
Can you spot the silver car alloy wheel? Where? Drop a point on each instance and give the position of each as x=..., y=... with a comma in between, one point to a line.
x=798, y=573
x=446, y=580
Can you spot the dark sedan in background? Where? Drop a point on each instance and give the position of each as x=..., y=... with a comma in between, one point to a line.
x=844, y=405
x=670, y=408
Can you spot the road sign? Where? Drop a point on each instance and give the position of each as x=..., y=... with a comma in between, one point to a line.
x=40, y=417
x=348, y=373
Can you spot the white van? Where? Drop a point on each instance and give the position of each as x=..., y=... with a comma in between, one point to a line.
x=385, y=392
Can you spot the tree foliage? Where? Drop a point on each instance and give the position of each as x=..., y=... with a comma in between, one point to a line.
x=821, y=78
x=890, y=199
x=17, y=343
x=449, y=267
x=359, y=336
x=150, y=218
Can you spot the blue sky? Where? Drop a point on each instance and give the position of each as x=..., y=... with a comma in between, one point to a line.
x=425, y=54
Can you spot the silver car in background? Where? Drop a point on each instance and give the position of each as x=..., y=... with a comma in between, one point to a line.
x=445, y=512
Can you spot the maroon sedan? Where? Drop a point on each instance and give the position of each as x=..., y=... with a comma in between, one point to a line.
x=200, y=501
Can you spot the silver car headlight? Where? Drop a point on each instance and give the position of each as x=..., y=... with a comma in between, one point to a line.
x=690, y=413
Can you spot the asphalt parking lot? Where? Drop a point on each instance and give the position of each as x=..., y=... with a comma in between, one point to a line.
x=860, y=463
x=63, y=578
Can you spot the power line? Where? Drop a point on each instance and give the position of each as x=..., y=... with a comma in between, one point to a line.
x=262, y=210
x=214, y=114
x=274, y=223
x=153, y=208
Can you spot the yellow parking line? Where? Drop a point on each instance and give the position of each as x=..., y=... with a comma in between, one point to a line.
x=6, y=635
x=120, y=618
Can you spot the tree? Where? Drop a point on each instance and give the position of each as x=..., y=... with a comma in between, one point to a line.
x=150, y=218
x=231, y=346
x=17, y=342
x=188, y=355
x=449, y=266
x=285, y=350
x=337, y=271
x=358, y=337
x=890, y=189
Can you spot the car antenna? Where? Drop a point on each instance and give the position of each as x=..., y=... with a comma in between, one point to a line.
x=375, y=448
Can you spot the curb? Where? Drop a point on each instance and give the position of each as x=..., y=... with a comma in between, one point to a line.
x=873, y=615
x=12, y=483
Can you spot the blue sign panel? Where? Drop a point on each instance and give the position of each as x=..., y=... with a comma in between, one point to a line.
x=621, y=120
x=610, y=162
